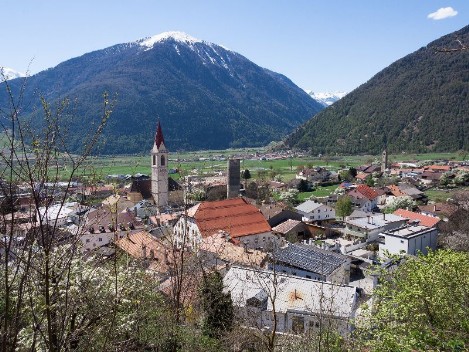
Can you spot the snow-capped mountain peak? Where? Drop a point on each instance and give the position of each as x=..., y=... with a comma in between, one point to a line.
x=177, y=36
x=326, y=98
x=9, y=73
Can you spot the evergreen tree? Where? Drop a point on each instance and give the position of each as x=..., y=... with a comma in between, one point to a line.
x=217, y=306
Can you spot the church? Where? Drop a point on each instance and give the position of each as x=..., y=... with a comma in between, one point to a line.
x=155, y=188
x=159, y=170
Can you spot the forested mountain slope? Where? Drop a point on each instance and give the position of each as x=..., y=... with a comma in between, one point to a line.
x=206, y=96
x=419, y=103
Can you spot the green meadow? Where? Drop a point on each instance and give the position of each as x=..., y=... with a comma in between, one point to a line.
x=204, y=162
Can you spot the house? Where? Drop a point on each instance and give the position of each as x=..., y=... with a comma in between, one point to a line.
x=439, y=168
x=312, y=263
x=291, y=230
x=412, y=191
x=440, y=210
x=368, y=228
x=364, y=197
x=60, y=214
x=110, y=221
x=242, y=222
x=430, y=177
x=314, y=175
x=298, y=305
x=277, y=213
x=143, y=246
x=412, y=239
x=417, y=218
x=382, y=195
x=313, y=211
x=369, y=169
x=143, y=209
x=216, y=251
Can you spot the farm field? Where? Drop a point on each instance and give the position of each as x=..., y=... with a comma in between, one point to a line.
x=207, y=162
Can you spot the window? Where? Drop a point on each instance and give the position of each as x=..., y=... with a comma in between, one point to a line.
x=402, y=241
x=154, y=159
x=87, y=240
x=308, y=276
x=163, y=161
x=298, y=324
x=100, y=239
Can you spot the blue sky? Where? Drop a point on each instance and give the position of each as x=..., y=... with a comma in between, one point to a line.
x=323, y=45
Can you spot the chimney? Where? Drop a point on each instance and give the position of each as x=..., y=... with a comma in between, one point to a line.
x=144, y=251
x=368, y=217
x=152, y=254
x=384, y=216
x=434, y=207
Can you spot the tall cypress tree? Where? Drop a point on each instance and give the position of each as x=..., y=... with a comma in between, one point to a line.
x=217, y=306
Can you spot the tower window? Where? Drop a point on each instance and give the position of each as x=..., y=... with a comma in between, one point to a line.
x=154, y=159
x=163, y=161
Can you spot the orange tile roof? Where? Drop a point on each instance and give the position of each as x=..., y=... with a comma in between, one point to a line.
x=367, y=191
x=361, y=175
x=424, y=220
x=439, y=167
x=234, y=216
x=396, y=191
x=135, y=244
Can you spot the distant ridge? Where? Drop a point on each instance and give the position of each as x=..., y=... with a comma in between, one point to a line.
x=10, y=73
x=420, y=103
x=206, y=96
x=326, y=98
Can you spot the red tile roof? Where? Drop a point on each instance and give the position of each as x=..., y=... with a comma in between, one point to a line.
x=424, y=220
x=234, y=216
x=367, y=191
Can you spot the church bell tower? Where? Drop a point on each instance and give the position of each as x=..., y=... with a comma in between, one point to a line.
x=159, y=170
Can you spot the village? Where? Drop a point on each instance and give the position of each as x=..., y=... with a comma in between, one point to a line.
x=319, y=250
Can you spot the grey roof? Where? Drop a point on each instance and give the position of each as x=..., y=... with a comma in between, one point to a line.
x=310, y=258
x=308, y=206
x=293, y=293
x=375, y=221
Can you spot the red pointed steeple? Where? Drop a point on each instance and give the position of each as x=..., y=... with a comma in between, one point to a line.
x=159, y=135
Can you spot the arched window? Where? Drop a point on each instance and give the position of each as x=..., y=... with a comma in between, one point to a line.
x=162, y=161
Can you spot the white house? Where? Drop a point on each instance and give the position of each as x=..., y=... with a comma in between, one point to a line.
x=371, y=226
x=364, y=197
x=313, y=211
x=409, y=240
x=104, y=224
x=301, y=304
x=241, y=222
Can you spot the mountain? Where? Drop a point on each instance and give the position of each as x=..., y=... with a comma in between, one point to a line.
x=206, y=96
x=10, y=73
x=326, y=98
x=419, y=103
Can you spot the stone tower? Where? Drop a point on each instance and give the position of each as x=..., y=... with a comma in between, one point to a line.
x=233, y=179
x=384, y=160
x=159, y=170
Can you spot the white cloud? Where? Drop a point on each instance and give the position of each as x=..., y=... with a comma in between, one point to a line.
x=443, y=13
